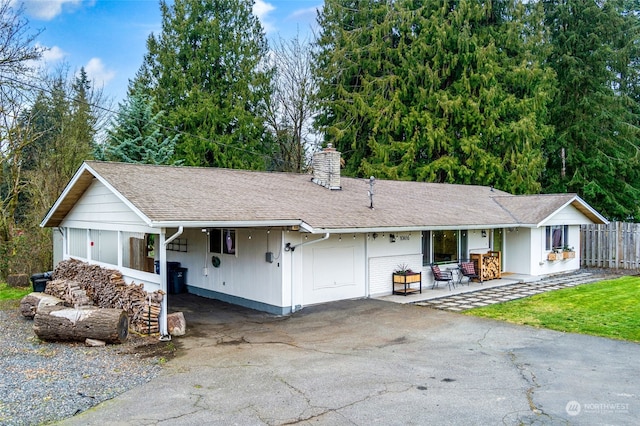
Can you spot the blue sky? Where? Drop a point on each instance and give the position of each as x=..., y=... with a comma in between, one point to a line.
x=108, y=37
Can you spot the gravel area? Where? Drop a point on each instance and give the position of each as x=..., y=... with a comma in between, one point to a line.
x=43, y=382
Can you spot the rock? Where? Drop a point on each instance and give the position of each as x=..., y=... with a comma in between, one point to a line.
x=176, y=324
x=94, y=342
x=18, y=280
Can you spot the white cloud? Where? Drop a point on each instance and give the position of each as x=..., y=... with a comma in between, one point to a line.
x=261, y=9
x=309, y=13
x=98, y=73
x=48, y=9
x=53, y=54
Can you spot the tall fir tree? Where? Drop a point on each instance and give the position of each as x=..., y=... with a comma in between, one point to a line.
x=443, y=91
x=136, y=135
x=596, y=150
x=207, y=70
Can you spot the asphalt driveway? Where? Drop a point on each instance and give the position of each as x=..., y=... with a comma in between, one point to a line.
x=374, y=362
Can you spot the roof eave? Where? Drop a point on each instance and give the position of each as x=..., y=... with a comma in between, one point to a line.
x=582, y=206
x=80, y=179
x=276, y=223
x=417, y=228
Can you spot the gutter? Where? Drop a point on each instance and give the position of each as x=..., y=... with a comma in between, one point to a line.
x=224, y=224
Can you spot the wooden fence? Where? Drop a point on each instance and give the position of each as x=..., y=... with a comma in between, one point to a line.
x=616, y=245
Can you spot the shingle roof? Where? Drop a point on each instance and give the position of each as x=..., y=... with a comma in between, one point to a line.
x=170, y=194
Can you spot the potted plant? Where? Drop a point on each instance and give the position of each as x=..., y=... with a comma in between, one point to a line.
x=568, y=252
x=404, y=274
x=403, y=277
x=554, y=255
x=403, y=269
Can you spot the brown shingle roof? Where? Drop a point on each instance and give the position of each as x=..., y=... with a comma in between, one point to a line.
x=169, y=194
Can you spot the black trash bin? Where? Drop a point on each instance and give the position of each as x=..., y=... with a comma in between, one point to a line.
x=39, y=281
x=171, y=267
x=178, y=280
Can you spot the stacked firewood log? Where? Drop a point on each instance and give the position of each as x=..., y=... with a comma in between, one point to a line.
x=80, y=284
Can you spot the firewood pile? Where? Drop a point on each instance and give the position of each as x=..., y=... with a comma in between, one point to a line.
x=81, y=284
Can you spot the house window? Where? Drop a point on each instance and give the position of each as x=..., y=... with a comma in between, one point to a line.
x=222, y=241
x=104, y=246
x=557, y=237
x=445, y=246
x=78, y=242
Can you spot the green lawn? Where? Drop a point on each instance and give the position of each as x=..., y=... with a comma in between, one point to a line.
x=607, y=308
x=11, y=296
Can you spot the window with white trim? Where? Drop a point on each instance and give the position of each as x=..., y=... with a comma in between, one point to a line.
x=556, y=237
x=222, y=241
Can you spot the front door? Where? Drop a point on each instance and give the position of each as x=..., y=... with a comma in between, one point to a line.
x=497, y=244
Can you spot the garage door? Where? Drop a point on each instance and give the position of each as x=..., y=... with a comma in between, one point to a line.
x=334, y=271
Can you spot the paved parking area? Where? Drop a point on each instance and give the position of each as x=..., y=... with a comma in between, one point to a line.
x=366, y=362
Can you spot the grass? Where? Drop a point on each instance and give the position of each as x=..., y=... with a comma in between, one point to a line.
x=607, y=308
x=10, y=296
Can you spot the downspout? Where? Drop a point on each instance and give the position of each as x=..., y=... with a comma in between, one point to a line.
x=292, y=248
x=174, y=236
x=367, y=287
x=164, y=333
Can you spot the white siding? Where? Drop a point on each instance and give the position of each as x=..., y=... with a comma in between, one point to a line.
x=476, y=242
x=99, y=208
x=247, y=275
x=385, y=256
x=517, y=256
x=567, y=216
x=542, y=266
x=381, y=270
x=333, y=269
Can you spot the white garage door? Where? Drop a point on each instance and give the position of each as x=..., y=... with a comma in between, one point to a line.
x=334, y=271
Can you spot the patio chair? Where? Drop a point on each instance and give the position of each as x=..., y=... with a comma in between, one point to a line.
x=440, y=275
x=468, y=269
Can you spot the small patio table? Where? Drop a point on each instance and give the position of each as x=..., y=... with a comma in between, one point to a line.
x=456, y=270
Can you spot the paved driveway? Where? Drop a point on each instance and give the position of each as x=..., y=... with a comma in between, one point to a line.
x=374, y=362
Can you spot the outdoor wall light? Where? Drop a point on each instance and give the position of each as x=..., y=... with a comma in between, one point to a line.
x=392, y=238
x=484, y=234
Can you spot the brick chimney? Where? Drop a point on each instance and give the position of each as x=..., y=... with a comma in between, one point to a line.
x=326, y=168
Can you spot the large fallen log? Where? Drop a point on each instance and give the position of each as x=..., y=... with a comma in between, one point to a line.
x=56, y=323
x=32, y=302
x=81, y=284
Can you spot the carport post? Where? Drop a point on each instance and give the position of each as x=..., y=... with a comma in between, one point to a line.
x=163, y=282
x=164, y=333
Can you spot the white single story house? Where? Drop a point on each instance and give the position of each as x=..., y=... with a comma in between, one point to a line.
x=279, y=241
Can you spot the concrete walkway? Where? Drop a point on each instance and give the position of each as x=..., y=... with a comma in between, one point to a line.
x=507, y=291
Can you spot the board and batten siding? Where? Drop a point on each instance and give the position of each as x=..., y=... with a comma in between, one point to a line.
x=99, y=208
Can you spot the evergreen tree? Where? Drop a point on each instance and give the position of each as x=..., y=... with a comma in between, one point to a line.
x=596, y=148
x=206, y=69
x=136, y=134
x=443, y=91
